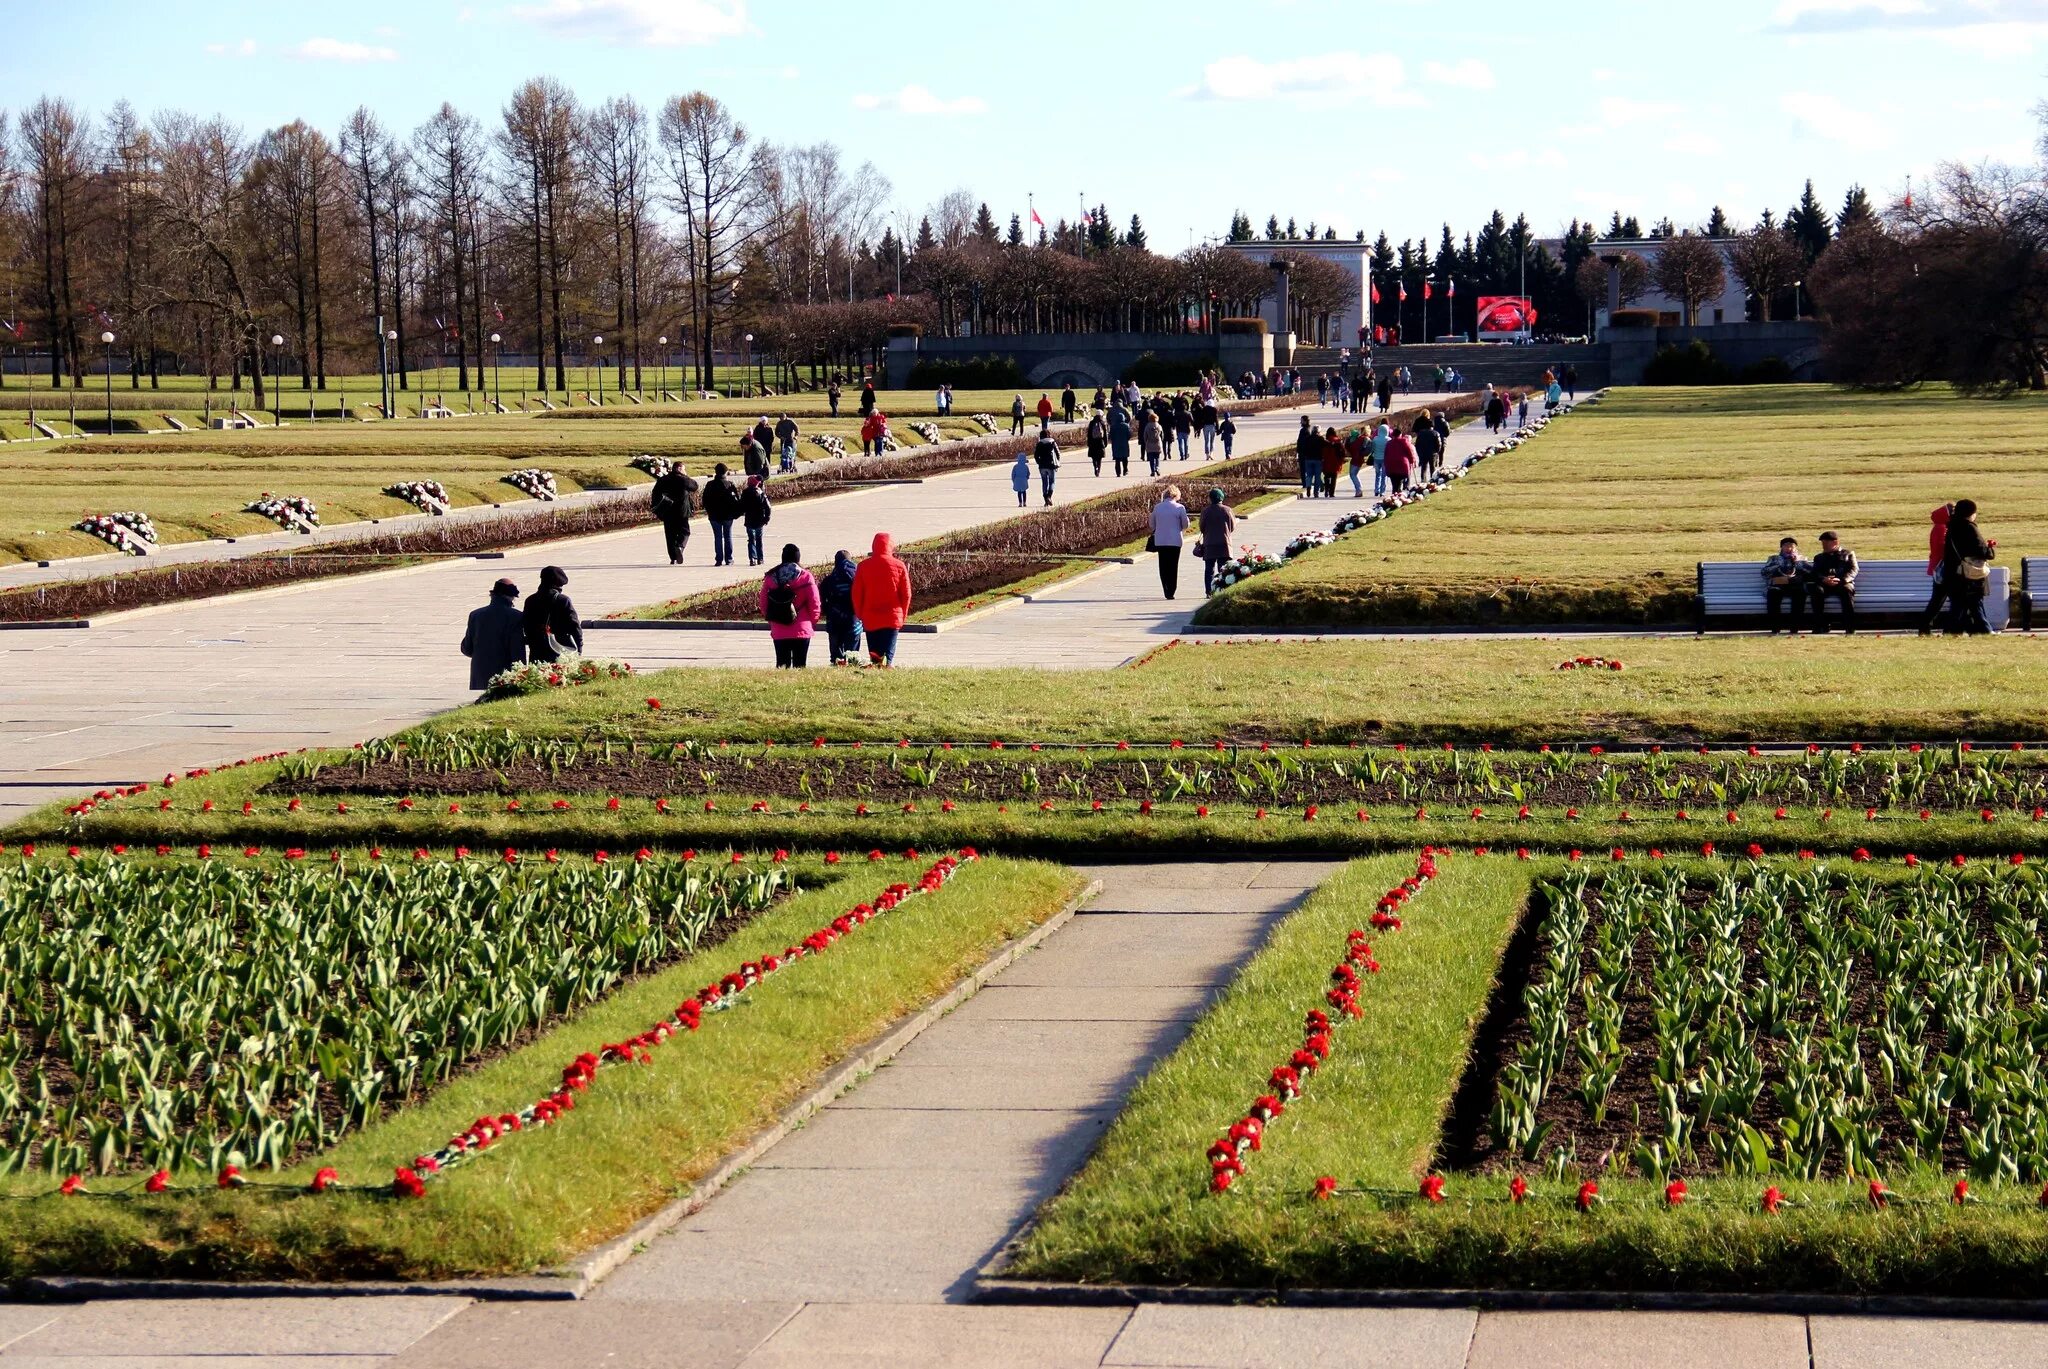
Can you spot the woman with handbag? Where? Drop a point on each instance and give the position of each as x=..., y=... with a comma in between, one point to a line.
x=1966, y=567
x=1169, y=528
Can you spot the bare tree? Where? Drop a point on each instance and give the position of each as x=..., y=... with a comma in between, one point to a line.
x=202, y=205
x=952, y=218
x=291, y=179
x=1766, y=261
x=367, y=151
x=55, y=154
x=715, y=171
x=1690, y=270
x=449, y=151
x=1590, y=281
x=615, y=138
x=539, y=139
x=130, y=170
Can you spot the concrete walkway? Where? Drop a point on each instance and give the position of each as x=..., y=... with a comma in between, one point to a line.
x=159, y=690
x=856, y=1239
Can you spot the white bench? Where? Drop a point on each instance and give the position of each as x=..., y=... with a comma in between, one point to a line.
x=1884, y=589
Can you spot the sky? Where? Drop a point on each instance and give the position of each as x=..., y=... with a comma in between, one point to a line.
x=1374, y=114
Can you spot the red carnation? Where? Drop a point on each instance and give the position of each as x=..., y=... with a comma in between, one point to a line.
x=158, y=1182
x=1879, y=1194
x=1674, y=1193
x=1773, y=1199
x=1518, y=1189
x=405, y=1183
x=1325, y=1188
x=1589, y=1193
x=1433, y=1188
x=321, y=1181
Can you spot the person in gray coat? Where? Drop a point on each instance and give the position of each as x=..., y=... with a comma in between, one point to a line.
x=495, y=640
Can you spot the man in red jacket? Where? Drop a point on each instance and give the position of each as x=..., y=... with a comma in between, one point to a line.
x=881, y=599
x=1044, y=410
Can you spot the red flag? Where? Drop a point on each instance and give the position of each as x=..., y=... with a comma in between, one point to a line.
x=498, y=311
x=1035, y=219
x=1375, y=292
x=1429, y=289
x=1452, y=290
x=1404, y=292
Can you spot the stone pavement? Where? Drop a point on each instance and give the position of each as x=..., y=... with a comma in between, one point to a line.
x=855, y=1240
x=145, y=693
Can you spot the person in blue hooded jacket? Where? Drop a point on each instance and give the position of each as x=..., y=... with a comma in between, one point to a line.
x=835, y=596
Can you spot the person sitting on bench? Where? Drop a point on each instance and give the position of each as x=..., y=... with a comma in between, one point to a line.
x=1833, y=572
x=1785, y=582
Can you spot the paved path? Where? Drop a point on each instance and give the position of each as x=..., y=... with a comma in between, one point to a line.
x=142, y=694
x=856, y=1239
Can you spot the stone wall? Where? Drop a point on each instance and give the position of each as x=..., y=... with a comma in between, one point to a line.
x=1084, y=360
x=1737, y=345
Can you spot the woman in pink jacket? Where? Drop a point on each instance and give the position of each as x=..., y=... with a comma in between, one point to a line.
x=789, y=601
x=1400, y=460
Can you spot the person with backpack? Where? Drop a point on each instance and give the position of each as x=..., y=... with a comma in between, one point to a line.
x=785, y=438
x=1046, y=452
x=721, y=507
x=881, y=598
x=673, y=489
x=835, y=597
x=495, y=638
x=1016, y=415
x=552, y=628
x=755, y=511
x=1098, y=441
x=1429, y=448
x=1020, y=477
x=790, y=603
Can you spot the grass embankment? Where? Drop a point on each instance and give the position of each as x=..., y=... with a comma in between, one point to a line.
x=1371, y=1119
x=637, y=1138
x=1605, y=516
x=198, y=485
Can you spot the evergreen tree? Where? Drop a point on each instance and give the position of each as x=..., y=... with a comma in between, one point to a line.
x=1809, y=224
x=1015, y=237
x=1665, y=228
x=1446, y=256
x=1293, y=234
x=1311, y=230
x=1135, y=237
x=1240, y=227
x=1382, y=257
x=1101, y=237
x=985, y=226
x=1856, y=212
x=1717, y=224
x=925, y=241
x=1767, y=220
x=1272, y=228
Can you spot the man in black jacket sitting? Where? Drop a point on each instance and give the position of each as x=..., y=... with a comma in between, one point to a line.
x=1833, y=573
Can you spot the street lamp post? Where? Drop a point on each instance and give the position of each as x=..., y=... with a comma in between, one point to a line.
x=598, y=341
x=277, y=408
x=663, y=341
x=497, y=359
x=750, y=360
x=107, y=341
x=386, y=382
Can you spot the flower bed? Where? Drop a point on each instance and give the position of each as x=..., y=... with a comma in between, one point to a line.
x=129, y=531
x=428, y=496
x=656, y=466
x=539, y=677
x=986, y=422
x=928, y=431
x=292, y=512
x=1248, y=562
x=534, y=483
x=1307, y=541
x=830, y=443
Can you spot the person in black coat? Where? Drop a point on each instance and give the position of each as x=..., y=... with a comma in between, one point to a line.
x=721, y=507
x=552, y=628
x=1068, y=403
x=755, y=510
x=835, y=597
x=867, y=398
x=672, y=495
x=495, y=639
x=1966, y=544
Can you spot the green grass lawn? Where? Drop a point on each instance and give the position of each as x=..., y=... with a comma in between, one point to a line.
x=1371, y=1118
x=637, y=1138
x=197, y=485
x=1604, y=516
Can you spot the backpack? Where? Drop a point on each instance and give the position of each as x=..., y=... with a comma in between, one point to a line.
x=782, y=601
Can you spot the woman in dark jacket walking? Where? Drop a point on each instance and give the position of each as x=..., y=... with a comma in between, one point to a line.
x=1219, y=520
x=721, y=504
x=755, y=512
x=1098, y=442
x=835, y=596
x=1965, y=566
x=552, y=628
x=1183, y=424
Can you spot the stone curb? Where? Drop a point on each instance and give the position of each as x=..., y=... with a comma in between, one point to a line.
x=602, y=1261
x=991, y=1288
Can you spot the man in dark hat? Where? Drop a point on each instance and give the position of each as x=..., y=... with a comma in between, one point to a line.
x=672, y=495
x=495, y=640
x=552, y=628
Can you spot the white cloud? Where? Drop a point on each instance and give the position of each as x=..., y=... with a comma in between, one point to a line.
x=1693, y=145
x=915, y=99
x=1985, y=28
x=245, y=48
x=1339, y=76
x=341, y=50
x=1468, y=73
x=1618, y=111
x=1826, y=118
x=642, y=23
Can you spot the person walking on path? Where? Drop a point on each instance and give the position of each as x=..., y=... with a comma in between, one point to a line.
x=753, y=458
x=1966, y=567
x=785, y=438
x=1308, y=457
x=1169, y=529
x=1205, y=418
x=721, y=507
x=1044, y=408
x=1016, y=415
x=1937, y=547
x=881, y=598
x=1119, y=438
x=673, y=490
x=1098, y=441
x=1020, y=477
x=552, y=628
x=1331, y=462
x=1399, y=461
x=1429, y=448
x=1226, y=430
x=835, y=597
x=1151, y=439
x=1496, y=411
x=1553, y=395
x=1046, y=452
x=1219, y=521
x=755, y=511
x=495, y=639
x=1386, y=395
x=1522, y=410
x=1571, y=382
x=1356, y=452
x=1380, y=437
x=1183, y=424
x=867, y=397
x=790, y=603
x=832, y=393
x=1068, y=403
